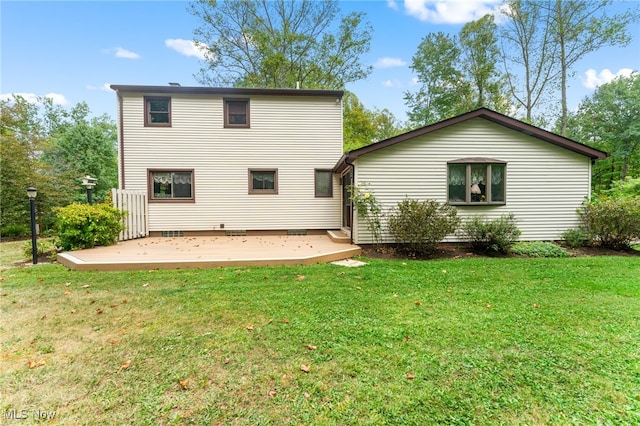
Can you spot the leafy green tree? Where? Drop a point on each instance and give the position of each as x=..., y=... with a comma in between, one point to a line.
x=50, y=148
x=260, y=43
x=444, y=92
x=85, y=149
x=362, y=127
x=480, y=59
x=457, y=74
x=23, y=139
x=579, y=27
x=608, y=120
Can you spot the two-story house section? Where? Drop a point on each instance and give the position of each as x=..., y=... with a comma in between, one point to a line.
x=231, y=159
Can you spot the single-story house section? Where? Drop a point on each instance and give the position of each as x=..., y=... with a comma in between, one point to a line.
x=482, y=162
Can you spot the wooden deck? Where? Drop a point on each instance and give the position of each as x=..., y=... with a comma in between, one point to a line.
x=211, y=252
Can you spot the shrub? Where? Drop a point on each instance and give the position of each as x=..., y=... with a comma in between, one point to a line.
x=45, y=248
x=419, y=226
x=575, y=238
x=368, y=208
x=15, y=231
x=539, y=249
x=84, y=226
x=615, y=223
x=496, y=235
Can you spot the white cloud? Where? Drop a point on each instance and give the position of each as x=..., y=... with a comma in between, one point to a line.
x=389, y=63
x=186, y=47
x=392, y=4
x=450, y=12
x=119, y=52
x=32, y=98
x=104, y=88
x=592, y=79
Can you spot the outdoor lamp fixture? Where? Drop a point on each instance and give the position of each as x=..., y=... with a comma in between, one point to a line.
x=31, y=193
x=89, y=182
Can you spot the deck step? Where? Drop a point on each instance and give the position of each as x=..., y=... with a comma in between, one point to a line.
x=338, y=236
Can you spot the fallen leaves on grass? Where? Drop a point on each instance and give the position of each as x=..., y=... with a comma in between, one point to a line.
x=250, y=327
x=411, y=376
x=125, y=365
x=305, y=367
x=183, y=383
x=67, y=292
x=536, y=306
x=300, y=277
x=418, y=303
x=36, y=364
x=312, y=347
x=272, y=393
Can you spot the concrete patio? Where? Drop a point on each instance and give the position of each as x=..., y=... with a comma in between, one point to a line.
x=210, y=252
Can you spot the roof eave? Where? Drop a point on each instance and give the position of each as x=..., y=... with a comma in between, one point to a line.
x=224, y=90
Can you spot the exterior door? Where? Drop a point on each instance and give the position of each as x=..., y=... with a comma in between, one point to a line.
x=347, y=204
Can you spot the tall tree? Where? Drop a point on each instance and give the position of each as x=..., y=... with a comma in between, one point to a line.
x=280, y=43
x=528, y=54
x=444, y=92
x=23, y=140
x=609, y=120
x=579, y=27
x=362, y=126
x=480, y=59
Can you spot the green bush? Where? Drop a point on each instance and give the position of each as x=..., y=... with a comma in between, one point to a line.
x=495, y=235
x=538, y=249
x=84, y=226
x=419, y=226
x=575, y=238
x=15, y=231
x=45, y=248
x=615, y=223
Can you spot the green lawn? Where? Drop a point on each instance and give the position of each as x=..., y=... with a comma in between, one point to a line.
x=466, y=341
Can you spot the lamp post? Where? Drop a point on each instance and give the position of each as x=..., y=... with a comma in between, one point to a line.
x=31, y=193
x=89, y=182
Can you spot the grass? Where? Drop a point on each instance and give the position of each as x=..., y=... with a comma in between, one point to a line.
x=466, y=341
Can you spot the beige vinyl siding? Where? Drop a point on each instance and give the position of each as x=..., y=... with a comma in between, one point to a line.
x=295, y=135
x=545, y=184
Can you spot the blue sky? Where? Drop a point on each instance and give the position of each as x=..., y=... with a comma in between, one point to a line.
x=72, y=51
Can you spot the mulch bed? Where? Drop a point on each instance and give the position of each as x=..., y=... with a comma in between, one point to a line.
x=463, y=250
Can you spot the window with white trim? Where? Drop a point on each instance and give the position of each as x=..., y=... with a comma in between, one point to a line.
x=476, y=181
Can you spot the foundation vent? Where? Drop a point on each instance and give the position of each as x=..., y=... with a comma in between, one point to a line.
x=235, y=233
x=171, y=234
x=296, y=232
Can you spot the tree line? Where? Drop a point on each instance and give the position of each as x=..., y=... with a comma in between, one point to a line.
x=51, y=148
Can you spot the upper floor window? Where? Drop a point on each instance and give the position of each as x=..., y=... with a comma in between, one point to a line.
x=157, y=111
x=263, y=181
x=324, y=183
x=236, y=113
x=476, y=181
x=171, y=185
